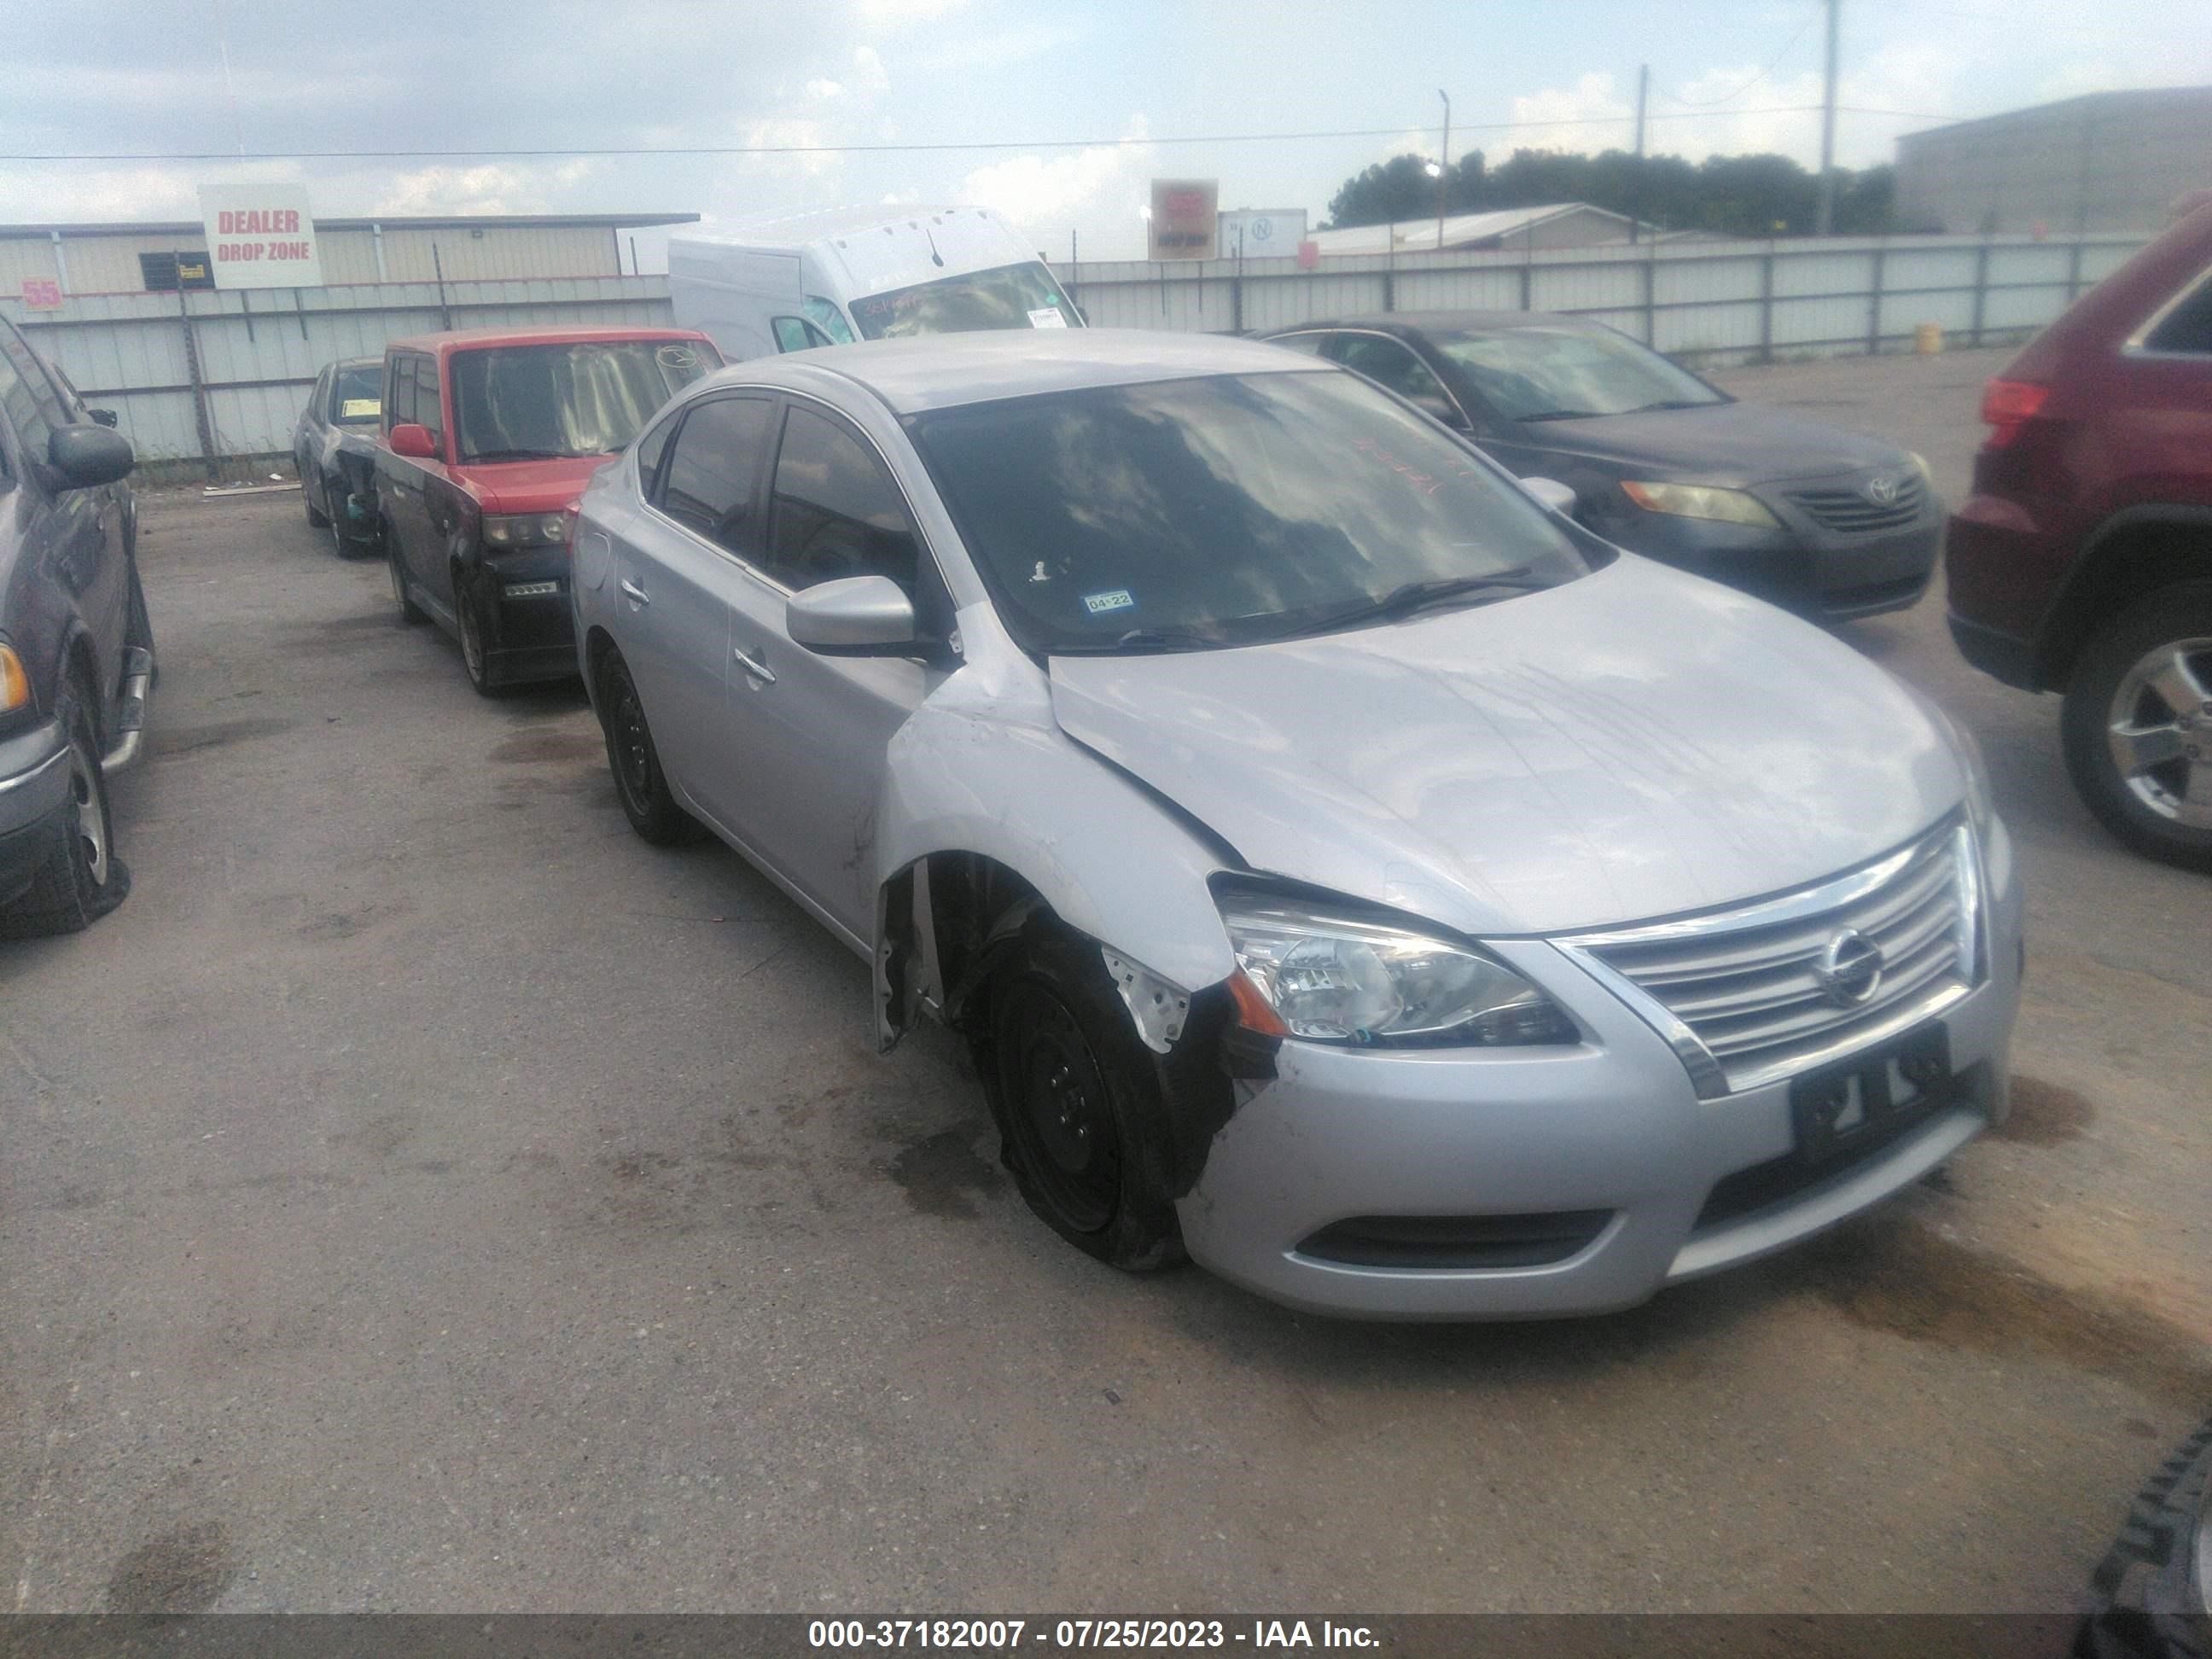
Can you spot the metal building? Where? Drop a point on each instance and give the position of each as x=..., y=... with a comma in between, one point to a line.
x=136, y=259
x=2106, y=161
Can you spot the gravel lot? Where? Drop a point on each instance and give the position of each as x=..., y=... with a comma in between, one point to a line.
x=422, y=1195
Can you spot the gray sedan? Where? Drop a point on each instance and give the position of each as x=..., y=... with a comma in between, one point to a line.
x=1347, y=871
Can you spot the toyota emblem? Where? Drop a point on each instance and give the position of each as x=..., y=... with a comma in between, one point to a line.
x=1882, y=492
x=1848, y=969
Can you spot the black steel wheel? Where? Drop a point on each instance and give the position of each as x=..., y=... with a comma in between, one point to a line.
x=640, y=785
x=1083, y=1105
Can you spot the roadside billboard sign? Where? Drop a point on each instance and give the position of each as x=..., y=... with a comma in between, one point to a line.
x=1185, y=218
x=261, y=236
x=1262, y=233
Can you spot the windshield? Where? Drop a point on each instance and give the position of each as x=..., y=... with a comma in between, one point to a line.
x=357, y=394
x=1559, y=373
x=550, y=402
x=1225, y=511
x=1012, y=296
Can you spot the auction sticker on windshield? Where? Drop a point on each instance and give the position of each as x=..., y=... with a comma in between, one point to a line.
x=1048, y=317
x=1116, y=599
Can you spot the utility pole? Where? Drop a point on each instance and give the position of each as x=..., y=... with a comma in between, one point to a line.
x=1444, y=169
x=1636, y=200
x=1825, y=222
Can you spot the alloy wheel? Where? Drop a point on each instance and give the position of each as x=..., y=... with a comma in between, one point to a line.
x=2159, y=730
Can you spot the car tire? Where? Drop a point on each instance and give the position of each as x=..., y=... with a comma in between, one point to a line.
x=2114, y=694
x=1081, y=1103
x=640, y=785
x=474, y=661
x=2150, y=1597
x=81, y=879
x=409, y=612
x=316, y=516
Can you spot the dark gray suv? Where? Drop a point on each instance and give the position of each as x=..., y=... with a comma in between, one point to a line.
x=76, y=652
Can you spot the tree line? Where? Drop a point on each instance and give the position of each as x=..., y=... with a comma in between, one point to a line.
x=1730, y=195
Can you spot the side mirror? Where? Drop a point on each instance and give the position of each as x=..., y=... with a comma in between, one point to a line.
x=410, y=440
x=102, y=417
x=1550, y=492
x=852, y=616
x=87, y=455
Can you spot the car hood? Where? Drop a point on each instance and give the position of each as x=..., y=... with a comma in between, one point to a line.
x=530, y=486
x=1636, y=744
x=1721, y=443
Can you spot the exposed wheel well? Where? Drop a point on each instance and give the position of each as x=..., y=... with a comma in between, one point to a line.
x=976, y=906
x=2137, y=559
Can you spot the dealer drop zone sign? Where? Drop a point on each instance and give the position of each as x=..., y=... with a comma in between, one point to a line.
x=261, y=236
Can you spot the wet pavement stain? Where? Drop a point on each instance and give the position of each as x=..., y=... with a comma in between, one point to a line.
x=550, y=746
x=1907, y=1281
x=344, y=924
x=185, y=1571
x=942, y=1175
x=162, y=742
x=2045, y=1115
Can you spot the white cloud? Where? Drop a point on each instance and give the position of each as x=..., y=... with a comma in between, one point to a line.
x=1591, y=103
x=821, y=87
x=495, y=188
x=1095, y=190
x=903, y=14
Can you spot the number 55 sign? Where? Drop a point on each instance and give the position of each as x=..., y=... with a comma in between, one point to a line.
x=41, y=294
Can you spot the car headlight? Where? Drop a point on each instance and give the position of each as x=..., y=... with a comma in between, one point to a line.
x=1328, y=975
x=528, y=530
x=1701, y=502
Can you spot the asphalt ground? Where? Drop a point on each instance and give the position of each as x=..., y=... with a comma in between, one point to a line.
x=422, y=1194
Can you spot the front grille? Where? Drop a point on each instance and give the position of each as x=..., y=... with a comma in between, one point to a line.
x=1848, y=511
x=1741, y=992
x=1444, y=1243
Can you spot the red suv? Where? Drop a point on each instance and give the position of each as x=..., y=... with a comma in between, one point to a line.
x=2082, y=562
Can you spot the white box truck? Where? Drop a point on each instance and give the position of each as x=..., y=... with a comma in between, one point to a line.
x=861, y=274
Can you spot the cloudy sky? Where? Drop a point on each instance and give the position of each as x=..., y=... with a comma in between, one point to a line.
x=149, y=78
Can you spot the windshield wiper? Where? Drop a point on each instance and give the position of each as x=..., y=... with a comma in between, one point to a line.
x=1412, y=597
x=1561, y=415
x=1672, y=402
x=1138, y=641
x=520, y=455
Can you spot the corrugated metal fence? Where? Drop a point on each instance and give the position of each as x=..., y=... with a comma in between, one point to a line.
x=1711, y=302
x=258, y=350
x=1717, y=302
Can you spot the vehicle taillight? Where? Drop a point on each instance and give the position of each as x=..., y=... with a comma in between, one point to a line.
x=2008, y=405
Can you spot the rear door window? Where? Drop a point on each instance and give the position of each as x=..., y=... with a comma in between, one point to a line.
x=713, y=471
x=399, y=395
x=1389, y=364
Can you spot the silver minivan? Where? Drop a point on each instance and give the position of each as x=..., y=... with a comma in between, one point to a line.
x=1348, y=871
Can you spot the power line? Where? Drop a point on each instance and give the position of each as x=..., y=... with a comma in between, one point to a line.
x=894, y=149
x=1787, y=45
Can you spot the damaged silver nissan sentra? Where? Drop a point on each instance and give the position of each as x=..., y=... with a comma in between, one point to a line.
x=1346, y=869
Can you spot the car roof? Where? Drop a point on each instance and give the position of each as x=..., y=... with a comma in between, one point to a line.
x=469, y=339
x=1445, y=322
x=942, y=371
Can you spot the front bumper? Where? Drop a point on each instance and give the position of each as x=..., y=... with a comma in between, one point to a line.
x=1800, y=566
x=530, y=626
x=1613, y=1124
x=34, y=804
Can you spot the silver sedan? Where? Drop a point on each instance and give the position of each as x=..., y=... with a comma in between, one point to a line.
x=1349, y=872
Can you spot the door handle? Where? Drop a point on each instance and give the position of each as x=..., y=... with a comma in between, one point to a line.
x=759, y=670
x=632, y=593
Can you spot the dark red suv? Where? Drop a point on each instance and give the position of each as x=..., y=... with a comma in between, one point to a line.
x=2082, y=561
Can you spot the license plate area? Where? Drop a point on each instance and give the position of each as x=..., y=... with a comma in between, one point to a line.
x=1842, y=1109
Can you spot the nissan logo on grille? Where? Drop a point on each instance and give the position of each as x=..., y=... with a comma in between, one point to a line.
x=1849, y=969
x=1882, y=492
